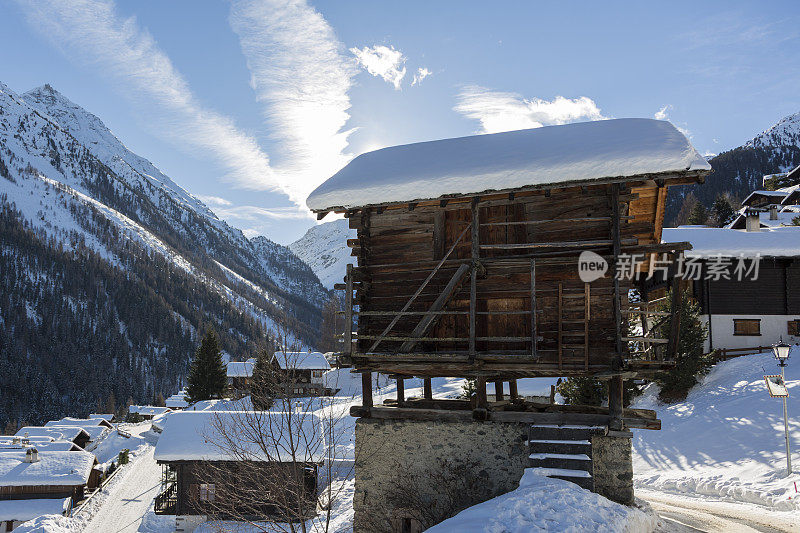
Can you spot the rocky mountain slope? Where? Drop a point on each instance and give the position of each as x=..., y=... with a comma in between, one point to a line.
x=110, y=269
x=740, y=171
x=324, y=249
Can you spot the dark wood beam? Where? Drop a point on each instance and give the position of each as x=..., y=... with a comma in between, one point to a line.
x=366, y=389
x=427, y=389
x=498, y=390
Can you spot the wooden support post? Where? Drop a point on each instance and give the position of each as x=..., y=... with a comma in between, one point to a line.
x=534, y=333
x=498, y=390
x=587, y=317
x=366, y=389
x=480, y=392
x=675, y=319
x=427, y=389
x=401, y=390
x=473, y=283
x=615, y=389
x=560, y=349
x=512, y=389
x=615, y=237
x=348, y=311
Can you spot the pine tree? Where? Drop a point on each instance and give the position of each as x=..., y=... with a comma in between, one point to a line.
x=264, y=382
x=332, y=325
x=722, y=211
x=207, y=375
x=699, y=215
x=691, y=362
x=689, y=202
x=111, y=404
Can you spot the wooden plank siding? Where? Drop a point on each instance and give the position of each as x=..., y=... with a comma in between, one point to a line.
x=399, y=245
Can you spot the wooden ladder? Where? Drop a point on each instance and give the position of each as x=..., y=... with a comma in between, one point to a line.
x=569, y=351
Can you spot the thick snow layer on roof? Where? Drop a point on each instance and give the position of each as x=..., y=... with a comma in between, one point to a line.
x=176, y=401
x=80, y=422
x=545, y=504
x=240, y=369
x=52, y=468
x=57, y=433
x=150, y=410
x=768, y=242
x=302, y=360
x=195, y=436
x=7, y=444
x=580, y=152
x=24, y=510
x=108, y=417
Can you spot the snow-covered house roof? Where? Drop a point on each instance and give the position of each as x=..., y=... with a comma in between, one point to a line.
x=785, y=217
x=108, y=417
x=769, y=242
x=177, y=401
x=241, y=369
x=772, y=196
x=150, y=410
x=24, y=510
x=54, y=432
x=603, y=150
x=52, y=468
x=301, y=360
x=80, y=422
x=8, y=443
x=194, y=436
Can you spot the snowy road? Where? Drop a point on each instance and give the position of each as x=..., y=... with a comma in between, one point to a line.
x=685, y=514
x=123, y=510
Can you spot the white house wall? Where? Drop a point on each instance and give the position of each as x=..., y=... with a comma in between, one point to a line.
x=773, y=328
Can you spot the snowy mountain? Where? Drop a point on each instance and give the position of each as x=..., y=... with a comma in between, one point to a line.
x=740, y=171
x=109, y=269
x=324, y=249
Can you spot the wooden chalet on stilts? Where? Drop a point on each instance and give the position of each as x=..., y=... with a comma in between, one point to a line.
x=468, y=264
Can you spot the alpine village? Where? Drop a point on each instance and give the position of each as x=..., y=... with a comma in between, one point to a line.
x=342, y=268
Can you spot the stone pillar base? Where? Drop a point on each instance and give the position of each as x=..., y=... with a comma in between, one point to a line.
x=612, y=466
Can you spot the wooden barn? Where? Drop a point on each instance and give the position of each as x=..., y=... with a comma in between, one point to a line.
x=495, y=257
x=212, y=464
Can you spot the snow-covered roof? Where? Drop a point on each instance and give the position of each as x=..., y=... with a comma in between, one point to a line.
x=194, y=436
x=80, y=422
x=52, y=468
x=150, y=410
x=108, y=417
x=580, y=152
x=8, y=443
x=302, y=360
x=768, y=242
x=240, y=369
x=776, y=195
x=176, y=401
x=24, y=510
x=54, y=432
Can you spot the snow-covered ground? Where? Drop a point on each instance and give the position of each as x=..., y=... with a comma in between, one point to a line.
x=726, y=441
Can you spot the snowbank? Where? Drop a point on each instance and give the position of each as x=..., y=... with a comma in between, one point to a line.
x=544, y=504
x=726, y=440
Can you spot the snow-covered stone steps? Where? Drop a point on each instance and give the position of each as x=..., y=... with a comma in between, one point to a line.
x=582, y=478
x=559, y=446
x=570, y=461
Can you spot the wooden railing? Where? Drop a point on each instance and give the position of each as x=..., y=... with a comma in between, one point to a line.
x=167, y=501
x=729, y=353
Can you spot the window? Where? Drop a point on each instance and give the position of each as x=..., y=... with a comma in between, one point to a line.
x=749, y=326
x=794, y=327
x=207, y=491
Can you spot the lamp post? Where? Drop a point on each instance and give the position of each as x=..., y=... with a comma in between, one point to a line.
x=781, y=352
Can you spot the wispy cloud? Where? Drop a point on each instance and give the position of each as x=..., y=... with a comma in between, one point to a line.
x=382, y=62
x=93, y=33
x=505, y=111
x=422, y=73
x=301, y=77
x=254, y=213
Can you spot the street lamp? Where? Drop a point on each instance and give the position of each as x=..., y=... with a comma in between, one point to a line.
x=781, y=353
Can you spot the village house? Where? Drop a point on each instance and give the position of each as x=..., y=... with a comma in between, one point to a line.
x=240, y=373
x=148, y=412
x=76, y=435
x=177, y=400
x=41, y=444
x=301, y=374
x=108, y=417
x=34, y=483
x=745, y=310
x=495, y=257
x=204, y=472
x=81, y=422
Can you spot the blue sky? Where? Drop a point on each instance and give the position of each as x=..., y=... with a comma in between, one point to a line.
x=249, y=104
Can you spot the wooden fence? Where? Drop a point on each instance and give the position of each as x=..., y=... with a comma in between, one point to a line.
x=723, y=354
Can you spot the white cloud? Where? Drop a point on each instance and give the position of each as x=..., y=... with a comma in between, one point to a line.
x=422, y=73
x=254, y=213
x=383, y=62
x=661, y=114
x=92, y=32
x=301, y=77
x=504, y=111
x=214, y=201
